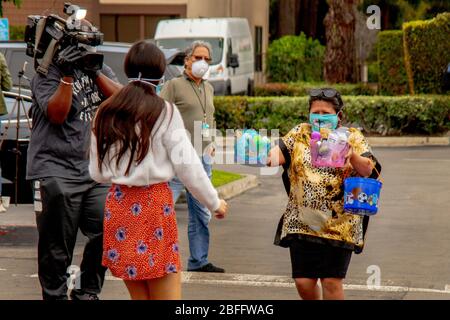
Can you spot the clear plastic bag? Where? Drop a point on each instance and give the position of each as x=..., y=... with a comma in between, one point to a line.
x=329, y=148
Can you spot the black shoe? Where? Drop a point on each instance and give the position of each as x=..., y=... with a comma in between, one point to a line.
x=208, y=268
x=80, y=295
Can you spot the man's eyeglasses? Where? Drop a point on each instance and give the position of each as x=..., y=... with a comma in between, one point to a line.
x=198, y=58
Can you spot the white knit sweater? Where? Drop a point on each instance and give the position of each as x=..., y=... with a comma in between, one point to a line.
x=170, y=153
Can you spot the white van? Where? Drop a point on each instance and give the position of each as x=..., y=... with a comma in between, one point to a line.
x=232, y=69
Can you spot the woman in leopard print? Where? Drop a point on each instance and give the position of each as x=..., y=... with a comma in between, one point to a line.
x=320, y=235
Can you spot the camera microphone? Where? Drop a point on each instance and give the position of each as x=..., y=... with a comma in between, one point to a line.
x=24, y=66
x=22, y=72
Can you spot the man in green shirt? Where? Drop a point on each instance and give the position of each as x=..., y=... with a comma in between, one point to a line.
x=6, y=84
x=194, y=97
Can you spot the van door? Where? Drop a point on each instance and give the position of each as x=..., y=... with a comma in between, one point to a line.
x=246, y=62
x=237, y=78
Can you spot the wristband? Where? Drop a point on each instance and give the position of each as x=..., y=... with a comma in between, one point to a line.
x=66, y=83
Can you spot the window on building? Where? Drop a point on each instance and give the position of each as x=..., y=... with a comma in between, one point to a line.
x=258, y=48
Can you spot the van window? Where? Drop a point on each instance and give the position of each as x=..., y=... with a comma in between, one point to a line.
x=183, y=43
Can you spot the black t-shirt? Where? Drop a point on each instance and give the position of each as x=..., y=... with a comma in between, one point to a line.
x=62, y=150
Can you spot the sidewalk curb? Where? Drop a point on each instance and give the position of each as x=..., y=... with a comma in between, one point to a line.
x=408, y=141
x=237, y=187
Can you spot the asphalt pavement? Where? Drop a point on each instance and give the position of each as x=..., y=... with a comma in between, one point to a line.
x=407, y=248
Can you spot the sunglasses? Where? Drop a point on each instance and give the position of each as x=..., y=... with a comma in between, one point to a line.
x=198, y=58
x=317, y=94
x=326, y=93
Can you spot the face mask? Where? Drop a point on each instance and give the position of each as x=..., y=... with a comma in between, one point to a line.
x=158, y=87
x=318, y=121
x=199, y=68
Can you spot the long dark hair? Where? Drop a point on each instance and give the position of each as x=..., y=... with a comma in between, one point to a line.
x=127, y=118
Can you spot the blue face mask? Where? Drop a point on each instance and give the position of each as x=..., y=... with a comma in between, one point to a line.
x=318, y=121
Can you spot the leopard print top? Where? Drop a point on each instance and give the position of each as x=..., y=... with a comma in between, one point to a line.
x=315, y=206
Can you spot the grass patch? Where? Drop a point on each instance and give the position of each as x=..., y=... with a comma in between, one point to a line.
x=219, y=178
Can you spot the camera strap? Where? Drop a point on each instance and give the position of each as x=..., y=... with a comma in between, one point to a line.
x=42, y=67
x=40, y=27
x=47, y=59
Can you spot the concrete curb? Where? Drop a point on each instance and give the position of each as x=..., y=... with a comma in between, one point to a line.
x=408, y=141
x=232, y=189
x=237, y=187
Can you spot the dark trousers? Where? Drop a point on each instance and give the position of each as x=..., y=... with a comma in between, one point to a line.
x=69, y=205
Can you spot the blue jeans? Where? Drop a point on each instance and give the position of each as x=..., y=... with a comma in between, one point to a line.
x=199, y=217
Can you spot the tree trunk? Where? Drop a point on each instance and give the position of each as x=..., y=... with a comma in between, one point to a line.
x=307, y=12
x=339, y=64
x=286, y=18
x=314, y=11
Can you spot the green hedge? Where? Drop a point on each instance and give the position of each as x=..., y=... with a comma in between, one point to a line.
x=392, y=78
x=295, y=58
x=16, y=32
x=373, y=71
x=298, y=89
x=402, y=115
x=427, y=52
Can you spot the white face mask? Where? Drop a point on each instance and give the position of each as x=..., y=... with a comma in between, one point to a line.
x=158, y=87
x=199, y=68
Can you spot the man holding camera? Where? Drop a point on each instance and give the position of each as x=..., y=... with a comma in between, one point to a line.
x=66, y=198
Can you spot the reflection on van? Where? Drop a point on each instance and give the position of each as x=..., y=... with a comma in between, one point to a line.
x=232, y=67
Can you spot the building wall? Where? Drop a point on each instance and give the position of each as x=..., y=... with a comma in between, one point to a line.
x=18, y=17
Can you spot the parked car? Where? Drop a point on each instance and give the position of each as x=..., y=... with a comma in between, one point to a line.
x=233, y=67
x=114, y=55
x=13, y=145
x=9, y=121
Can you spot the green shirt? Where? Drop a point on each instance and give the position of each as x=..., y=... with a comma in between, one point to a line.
x=193, y=101
x=6, y=83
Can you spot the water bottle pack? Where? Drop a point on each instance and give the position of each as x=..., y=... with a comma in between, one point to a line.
x=251, y=148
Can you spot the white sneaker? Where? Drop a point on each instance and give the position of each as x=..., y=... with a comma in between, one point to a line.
x=2, y=208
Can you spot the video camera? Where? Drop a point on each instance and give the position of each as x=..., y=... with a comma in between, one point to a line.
x=47, y=35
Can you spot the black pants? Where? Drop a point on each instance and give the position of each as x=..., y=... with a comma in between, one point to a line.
x=66, y=206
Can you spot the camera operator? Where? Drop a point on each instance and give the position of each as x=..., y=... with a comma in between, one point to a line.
x=66, y=198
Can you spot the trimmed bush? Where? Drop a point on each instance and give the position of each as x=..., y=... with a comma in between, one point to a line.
x=377, y=115
x=299, y=89
x=373, y=71
x=16, y=32
x=427, y=53
x=295, y=58
x=392, y=78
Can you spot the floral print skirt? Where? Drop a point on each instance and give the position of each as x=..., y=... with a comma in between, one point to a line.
x=140, y=240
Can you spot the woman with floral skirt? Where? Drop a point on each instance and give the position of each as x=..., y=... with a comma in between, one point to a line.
x=138, y=144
